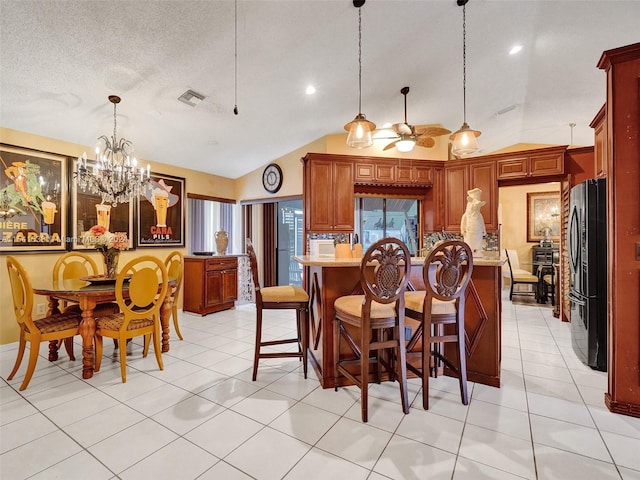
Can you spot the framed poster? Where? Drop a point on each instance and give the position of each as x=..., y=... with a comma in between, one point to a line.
x=543, y=216
x=33, y=199
x=161, y=212
x=88, y=210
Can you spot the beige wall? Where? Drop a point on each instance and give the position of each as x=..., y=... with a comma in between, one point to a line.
x=513, y=212
x=40, y=265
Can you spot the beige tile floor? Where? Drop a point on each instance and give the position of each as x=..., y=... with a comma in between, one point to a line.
x=203, y=417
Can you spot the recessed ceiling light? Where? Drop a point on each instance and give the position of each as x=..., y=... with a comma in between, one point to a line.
x=310, y=90
x=515, y=49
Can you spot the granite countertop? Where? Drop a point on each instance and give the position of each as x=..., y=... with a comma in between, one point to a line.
x=215, y=255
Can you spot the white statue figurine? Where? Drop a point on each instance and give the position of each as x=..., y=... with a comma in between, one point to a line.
x=472, y=223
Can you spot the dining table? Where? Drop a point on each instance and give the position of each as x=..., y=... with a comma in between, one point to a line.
x=87, y=295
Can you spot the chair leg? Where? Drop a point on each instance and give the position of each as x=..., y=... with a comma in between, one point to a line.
x=402, y=368
x=304, y=332
x=256, y=354
x=146, y=340
x=511, y=291
x=462, y=355
x=68, y=346
x=123, y=360
x=336, y=351
x=175, y=321
x=21, y=348
x=98, y=360
x=33, y=359
x=426, y=357
x=157, y=348
x=364, y=375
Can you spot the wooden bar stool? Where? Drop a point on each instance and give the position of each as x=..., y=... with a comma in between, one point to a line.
x=440, y=310
x=284, y=297
x=376, y=320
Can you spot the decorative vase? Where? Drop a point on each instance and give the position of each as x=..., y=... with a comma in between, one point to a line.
x=111, y=257
x=222, y=241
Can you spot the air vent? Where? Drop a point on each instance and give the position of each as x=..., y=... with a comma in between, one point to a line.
x=191, y=98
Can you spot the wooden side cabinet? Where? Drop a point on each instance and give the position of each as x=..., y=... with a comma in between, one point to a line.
x=210, y=283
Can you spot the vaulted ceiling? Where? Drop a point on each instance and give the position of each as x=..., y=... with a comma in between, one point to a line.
x=59, y=61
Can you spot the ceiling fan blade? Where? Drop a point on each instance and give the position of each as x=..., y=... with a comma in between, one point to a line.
x=432, y=131
x=425, y=141
x=391, y=145
x=402, y=129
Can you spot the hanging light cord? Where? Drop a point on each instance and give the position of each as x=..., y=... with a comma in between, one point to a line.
x=359, y=60
x=464, y=63
x=235, y=107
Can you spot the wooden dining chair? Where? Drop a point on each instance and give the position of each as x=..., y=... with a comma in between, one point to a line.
x=175, y=267
x=440, y=310
x=282, y=297
x=50, y=329
x=139, y=311
x=520, y=276
x=373, y=322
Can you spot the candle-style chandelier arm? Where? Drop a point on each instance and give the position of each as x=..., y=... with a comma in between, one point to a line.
x=114, y=174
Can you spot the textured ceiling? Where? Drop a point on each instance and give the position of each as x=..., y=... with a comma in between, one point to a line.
x=60, y=60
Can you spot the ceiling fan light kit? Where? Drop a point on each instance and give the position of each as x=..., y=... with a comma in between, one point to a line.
x=360, y=128
x=465, y=139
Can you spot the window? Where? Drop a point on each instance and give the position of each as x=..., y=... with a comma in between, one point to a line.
x=379, y=217
x=206, y=217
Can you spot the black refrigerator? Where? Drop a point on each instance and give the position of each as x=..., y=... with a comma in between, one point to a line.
x=587, y=238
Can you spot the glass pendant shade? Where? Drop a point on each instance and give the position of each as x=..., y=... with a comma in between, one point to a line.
x=464, y=141
x=360, y=130
x=405, y=145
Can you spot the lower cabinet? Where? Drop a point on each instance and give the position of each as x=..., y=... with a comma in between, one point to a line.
x=210, y=284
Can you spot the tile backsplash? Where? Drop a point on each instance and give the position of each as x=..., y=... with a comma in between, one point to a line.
x=490, y=242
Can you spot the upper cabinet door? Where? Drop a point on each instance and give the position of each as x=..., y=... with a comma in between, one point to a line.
x=343, y=197
x=328, y=197
x=483, y=176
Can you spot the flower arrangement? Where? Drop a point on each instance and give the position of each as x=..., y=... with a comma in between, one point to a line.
x=101, y=239
x=109, y=244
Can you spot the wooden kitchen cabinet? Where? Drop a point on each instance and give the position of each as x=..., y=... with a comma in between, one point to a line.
x=210, y=283
x=546, y=162
x=599, y=125
x=328, y=194
x=464, y=175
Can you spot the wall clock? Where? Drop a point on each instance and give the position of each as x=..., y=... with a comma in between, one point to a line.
x=272, y=178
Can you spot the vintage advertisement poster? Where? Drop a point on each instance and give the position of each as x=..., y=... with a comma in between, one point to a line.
x=33, y=199
x=161, y=212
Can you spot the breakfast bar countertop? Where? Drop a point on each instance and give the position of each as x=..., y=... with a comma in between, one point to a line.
x=488, y=260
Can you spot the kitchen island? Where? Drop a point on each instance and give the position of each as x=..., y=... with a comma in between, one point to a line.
x=327, y=278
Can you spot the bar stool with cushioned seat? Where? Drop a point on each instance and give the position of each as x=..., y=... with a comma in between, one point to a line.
x=284, y=297
x=446, y=273
x=376, y=320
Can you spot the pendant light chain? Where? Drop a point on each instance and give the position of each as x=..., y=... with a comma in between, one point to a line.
x=235, y=107
x=360, y=60
x=464, y=63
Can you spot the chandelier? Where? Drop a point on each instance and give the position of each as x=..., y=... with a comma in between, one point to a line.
x=114, y=174
x=464, y=140
x=359, y=128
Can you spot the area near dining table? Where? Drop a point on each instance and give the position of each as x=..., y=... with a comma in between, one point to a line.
x=328, y=278
x=88, y=295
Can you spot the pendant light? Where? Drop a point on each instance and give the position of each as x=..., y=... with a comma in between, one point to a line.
x=464, y=140
x=360, y=128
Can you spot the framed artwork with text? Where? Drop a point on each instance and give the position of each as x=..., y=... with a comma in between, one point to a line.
x=161, y=212
x=33, y=200
x=89, y=210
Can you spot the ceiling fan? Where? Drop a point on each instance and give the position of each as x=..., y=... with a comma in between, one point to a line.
x=409, y=136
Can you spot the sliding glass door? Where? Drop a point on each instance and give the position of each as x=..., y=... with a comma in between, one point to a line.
x=290, y=242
